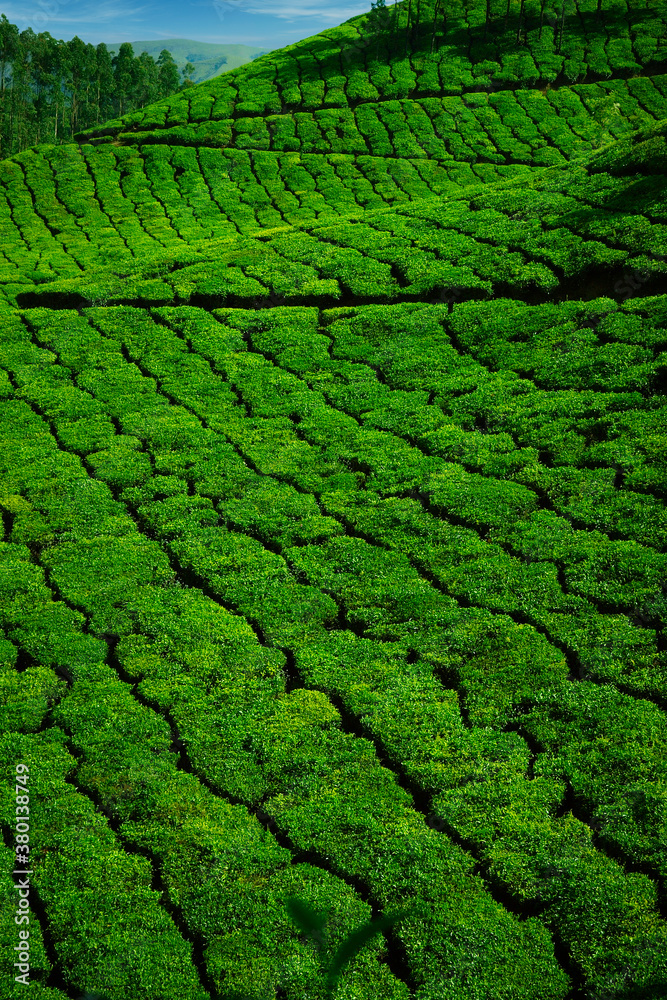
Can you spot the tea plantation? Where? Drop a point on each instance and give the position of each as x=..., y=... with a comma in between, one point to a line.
x=333, y=493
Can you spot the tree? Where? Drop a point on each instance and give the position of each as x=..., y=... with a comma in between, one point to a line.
x=394, y=23
x=47, y=78
x=104, y=82
x=407, y=28
x=187, y=71
x=59, y=98
x=168, y=78
x=378, y=21
x=486, y=22
x=80, y=67
x=21, y=109
x=562, y=24
x=436, y=11
x=57, y=88
x=89, y=99
x=123, y=66
x=414, y=34
x=148, y=84
x=543, y=4
x=518, y=27
x=440, y=8
x=9, y=45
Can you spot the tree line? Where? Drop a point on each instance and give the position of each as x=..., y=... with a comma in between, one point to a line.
x=426, y=19
x=50, y=89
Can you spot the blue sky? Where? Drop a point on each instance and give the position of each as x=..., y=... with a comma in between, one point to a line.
x=269, y=24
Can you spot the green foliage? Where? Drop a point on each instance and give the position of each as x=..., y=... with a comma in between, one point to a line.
x=333, y=512
x=313, y=924
x=85, y=86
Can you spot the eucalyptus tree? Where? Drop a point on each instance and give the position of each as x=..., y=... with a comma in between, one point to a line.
x=50, y=89
x=187, y=71
x=9, y=43
x=47, y=80
x=562, y=25
x=168, y=76
x=104, y=83
x=378, y=21
x=123, y=76
x=487, y=19
x=518, y=26
x=148, y=81
x=439, y=8
x=79, y=72
x=20, y=114
x=407, y=28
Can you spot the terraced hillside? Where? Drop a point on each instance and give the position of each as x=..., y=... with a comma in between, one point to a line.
x=333, y=494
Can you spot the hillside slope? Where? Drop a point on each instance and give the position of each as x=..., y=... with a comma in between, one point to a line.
x=334, y=394
x=548, y=237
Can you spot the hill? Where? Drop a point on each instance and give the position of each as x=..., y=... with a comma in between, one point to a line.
x=333, y=493
x=209, y=60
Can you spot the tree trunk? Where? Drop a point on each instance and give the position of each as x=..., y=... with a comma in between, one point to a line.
x=394, y=27
x=436, y=11
x=562, y=22
x=518, y=28
x=407, y=28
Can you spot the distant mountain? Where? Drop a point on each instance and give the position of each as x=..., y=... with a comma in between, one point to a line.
x=209, y=60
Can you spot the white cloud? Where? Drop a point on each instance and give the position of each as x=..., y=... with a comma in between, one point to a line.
x=66, y=12
x=266, y=23
x=294, y=10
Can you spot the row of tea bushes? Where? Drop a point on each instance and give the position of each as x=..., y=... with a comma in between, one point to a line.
x=124, y=213
x=642, y=565
x=401, y=341
x=101, y=910
x=80, y=594
x=411, y=348
x=226, y=196
x=266, y=614
x=523, y=126
x=261, y=607
x=267, y=607
x=470, y=408
x=124, y=760
x=40, y=967
x=419, y=249
x=308, y=74
x=134, y=566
